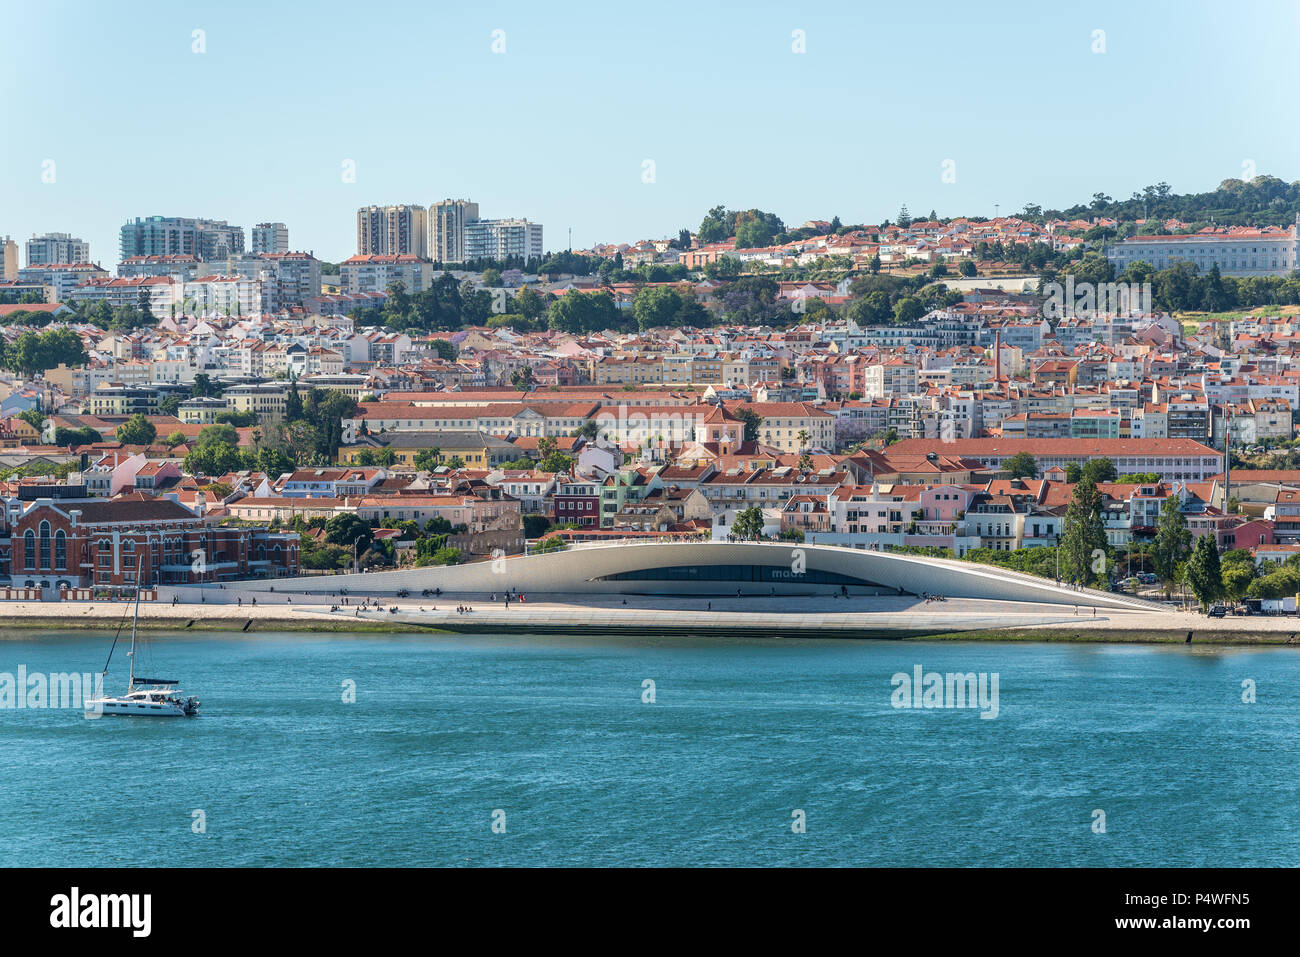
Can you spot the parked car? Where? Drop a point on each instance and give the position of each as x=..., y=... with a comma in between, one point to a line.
x=1217, y=611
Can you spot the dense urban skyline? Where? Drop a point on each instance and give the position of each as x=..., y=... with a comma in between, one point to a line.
x=1049, y=112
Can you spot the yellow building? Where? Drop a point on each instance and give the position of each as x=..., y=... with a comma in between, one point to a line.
x=476, y=450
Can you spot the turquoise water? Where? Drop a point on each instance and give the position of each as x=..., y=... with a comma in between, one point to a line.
x=554, y=733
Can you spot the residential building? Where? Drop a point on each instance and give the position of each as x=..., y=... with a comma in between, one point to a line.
x=8, y=259
x=52, y=249
x=169, y=235
x=271, y=238
x=501, y=239
x=447, y=222
x=399, y=230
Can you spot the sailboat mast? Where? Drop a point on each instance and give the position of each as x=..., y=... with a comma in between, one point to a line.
x=134, y=624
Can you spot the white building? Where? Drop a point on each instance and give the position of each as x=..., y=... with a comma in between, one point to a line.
x=1236, y=250
x=56, y=249
x=270, y=238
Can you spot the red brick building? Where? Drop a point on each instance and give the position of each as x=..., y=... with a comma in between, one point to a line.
x=92, y=542
x=577, y=501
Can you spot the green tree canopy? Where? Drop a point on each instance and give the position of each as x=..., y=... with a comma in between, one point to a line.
x=1173, y=542
x=1021, y=465
x=137, y=430
x=1083, y=544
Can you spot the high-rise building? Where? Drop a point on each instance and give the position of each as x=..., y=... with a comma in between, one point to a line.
x=502, y=239
x=270, y=238
x=174, y=235
x=393, y=231
x=56, y=249
x=447, y=222
x=8, y=259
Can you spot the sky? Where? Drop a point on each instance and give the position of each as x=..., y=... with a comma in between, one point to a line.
x=625, y=121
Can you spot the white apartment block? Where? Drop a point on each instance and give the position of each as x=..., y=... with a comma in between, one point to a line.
x=62, y=278
x=1237, y=251
x=52, y=249
x=270, y=238
x=447, y=221
x=393, y=231
x=374, y=273
x=503, y=238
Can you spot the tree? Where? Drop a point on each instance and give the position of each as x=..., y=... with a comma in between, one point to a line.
x=1021, y=465
x=713, y=228
x=967, y=268
x=908, y=310
x=213, y=458
x=522, y=378
x=218, y=435
x=346, y=529
x=753, y=421
x=1238, y=573
x=656, y=307
x=203, y=387
x=535, y=525
x=274, y=462
x=577, y=312
x=292, y=403
x=426, y=460
x=1099, y=470
x=1173, y=541
x=555, y=461
x=1084, y=540
x=1204, y=575
x=136, y=430
x=70, y=437
x=749, y=523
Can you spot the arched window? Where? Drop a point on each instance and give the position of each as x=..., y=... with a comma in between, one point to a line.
x=60, y=551
x=128, y=545
x=45, y=544
x=29, y=549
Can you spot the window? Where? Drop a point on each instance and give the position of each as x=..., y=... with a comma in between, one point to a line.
x=45, y=544
x=60, y=550
x=29, y=549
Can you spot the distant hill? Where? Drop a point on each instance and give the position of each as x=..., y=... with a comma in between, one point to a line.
x=1261, y=201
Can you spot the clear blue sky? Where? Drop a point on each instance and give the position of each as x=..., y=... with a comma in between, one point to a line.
x=556, y=129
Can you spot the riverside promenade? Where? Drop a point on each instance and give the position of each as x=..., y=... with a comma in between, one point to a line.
x=885, y=617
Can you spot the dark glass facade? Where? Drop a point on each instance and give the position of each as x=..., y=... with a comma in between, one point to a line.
x=757, y=574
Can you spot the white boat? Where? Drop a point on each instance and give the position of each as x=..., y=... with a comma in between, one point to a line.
x=145, y=697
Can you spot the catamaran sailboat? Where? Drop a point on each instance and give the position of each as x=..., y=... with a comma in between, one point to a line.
x=145, y=697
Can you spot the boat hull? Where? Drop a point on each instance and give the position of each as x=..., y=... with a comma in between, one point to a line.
x=135, y=709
